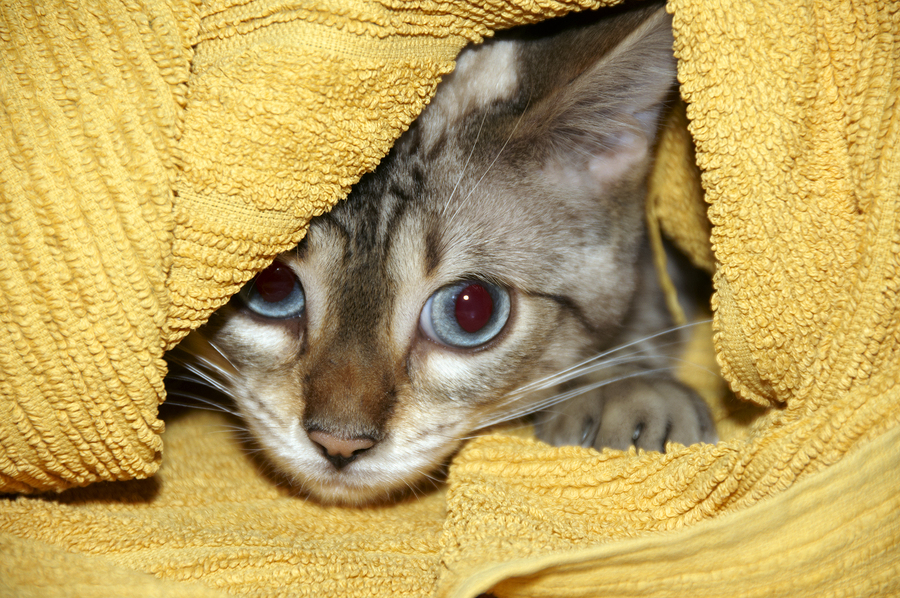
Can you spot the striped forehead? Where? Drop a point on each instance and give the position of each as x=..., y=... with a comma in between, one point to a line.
x=366, y=224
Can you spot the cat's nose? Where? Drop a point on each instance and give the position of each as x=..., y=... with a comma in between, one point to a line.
x=340, y=451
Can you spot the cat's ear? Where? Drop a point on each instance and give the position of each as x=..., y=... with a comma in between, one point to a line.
x=605, y=118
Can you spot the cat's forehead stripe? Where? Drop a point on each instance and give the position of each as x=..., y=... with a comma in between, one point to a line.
x=399, y=199
x=432, y=251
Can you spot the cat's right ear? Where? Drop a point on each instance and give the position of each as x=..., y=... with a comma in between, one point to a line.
x=604, y=119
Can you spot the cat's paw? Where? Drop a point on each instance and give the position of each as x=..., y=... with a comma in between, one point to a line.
x=644, y=412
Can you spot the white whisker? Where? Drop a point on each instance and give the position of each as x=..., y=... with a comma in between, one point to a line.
x=565, y=396
x=465, y=167
x=491, y=165
x=221, y=353
x=205, y=403
x=567, y=374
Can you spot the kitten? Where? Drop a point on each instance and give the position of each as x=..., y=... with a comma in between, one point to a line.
x=500, y=243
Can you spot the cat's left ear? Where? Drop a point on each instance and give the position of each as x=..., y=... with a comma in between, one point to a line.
x=606, y=117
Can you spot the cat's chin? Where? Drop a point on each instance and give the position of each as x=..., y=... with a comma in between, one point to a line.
x=343, y=490
x=345, y=495
x=368, y=482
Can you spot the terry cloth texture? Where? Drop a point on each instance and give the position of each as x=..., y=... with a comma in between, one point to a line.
x=154, y=156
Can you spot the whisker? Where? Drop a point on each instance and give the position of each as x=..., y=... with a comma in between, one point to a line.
x=221, y=353
x=491, y=165
x=192, y=378
x=584, y=368
x=465, y=166
x=565, y=396
x=192, y=406
x=479, y=432
x=561, y=375
x=210, y=375
x=207, y=404
x=520, y=395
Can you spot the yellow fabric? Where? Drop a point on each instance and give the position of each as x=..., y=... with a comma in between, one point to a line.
x=155, y=155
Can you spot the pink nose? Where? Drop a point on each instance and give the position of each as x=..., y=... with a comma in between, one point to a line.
x=340, y=447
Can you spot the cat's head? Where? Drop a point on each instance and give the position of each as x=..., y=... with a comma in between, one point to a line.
x=497, y=243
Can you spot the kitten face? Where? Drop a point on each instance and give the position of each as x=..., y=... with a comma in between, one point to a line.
x=364, y=361
x=497, y=243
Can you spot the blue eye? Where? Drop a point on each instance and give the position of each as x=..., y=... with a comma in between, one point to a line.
x=465, y=314
x=275, y=293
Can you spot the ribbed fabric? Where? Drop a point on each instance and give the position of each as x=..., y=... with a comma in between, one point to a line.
x=260, y=115
x=90, y=111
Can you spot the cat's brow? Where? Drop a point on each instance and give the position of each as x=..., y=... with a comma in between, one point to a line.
x=403, y=200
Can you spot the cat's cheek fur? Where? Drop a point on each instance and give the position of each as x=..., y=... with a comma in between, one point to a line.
x=266, y=339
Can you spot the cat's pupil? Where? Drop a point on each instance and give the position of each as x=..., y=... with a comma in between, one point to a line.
x=275, y=283
x=474, y=308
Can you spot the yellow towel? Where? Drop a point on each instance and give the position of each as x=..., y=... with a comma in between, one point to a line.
x=155, y=155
